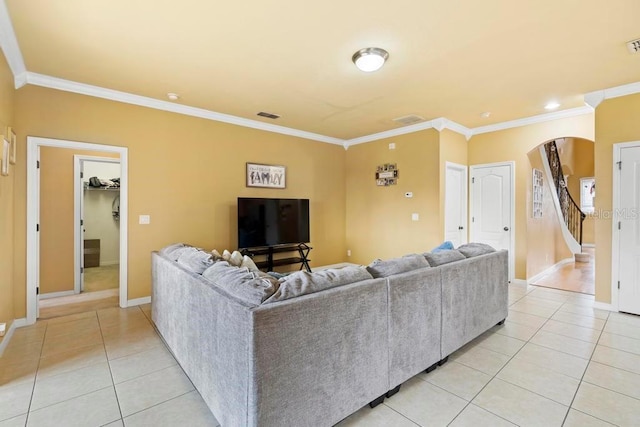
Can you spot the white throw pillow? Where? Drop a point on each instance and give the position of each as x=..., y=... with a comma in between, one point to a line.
x=235, y=259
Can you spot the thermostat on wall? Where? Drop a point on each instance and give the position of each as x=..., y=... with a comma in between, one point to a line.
x=408, y=194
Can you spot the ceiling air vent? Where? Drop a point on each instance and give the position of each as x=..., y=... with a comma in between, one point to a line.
x=268, y=115
x=409, y=120
x=634, y=46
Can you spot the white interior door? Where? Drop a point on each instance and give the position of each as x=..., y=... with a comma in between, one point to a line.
x=629, y=231
x=455, y=204
x=81, y=225
x=492, y=209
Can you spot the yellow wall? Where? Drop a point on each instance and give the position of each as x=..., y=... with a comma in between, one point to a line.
x=513, y=145
x=186, y=173
x=543, y=252
x=616, y=122
x=379, y=221
x=7, y=185
x=56, y=217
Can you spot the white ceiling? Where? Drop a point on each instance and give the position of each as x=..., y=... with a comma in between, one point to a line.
x=453, y=58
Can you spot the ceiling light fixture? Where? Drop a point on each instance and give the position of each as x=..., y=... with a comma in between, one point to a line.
x=173, y=96
x=485, y=115
x=551, y=105
x=370, y=59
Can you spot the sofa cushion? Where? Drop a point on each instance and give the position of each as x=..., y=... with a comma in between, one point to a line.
x=474, y=249
x=249, y=286
x=303, y=282
x=386, y=268
x=443, y=246
x=173, y=251
x=195, y=259
x=443, y=257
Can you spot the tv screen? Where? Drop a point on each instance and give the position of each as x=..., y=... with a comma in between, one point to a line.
x=272, y=222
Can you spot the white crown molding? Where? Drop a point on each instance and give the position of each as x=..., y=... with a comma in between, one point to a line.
x=595, y=98
x=9, y=43
x=143, y=101
x=557, y=115
x=458, y=128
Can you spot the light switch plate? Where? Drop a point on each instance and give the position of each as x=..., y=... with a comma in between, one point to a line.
x=415, y=217
x=144, y=219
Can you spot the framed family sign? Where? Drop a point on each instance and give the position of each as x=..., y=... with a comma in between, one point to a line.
x=268, y=176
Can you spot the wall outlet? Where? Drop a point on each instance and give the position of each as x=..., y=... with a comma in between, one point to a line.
x=3, y=328
x=348, y=252
x=144, y=219
x=392, y=146
x=415, y=217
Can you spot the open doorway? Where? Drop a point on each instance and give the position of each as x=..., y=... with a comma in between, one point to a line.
x=55, y=240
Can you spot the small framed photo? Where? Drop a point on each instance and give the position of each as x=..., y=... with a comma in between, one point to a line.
x=4, y=167
x=267, y=176
x=11, y=135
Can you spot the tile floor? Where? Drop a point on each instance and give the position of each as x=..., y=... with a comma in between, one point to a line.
x=556, y=361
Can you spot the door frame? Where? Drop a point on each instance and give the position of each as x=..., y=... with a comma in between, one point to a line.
x=615, y=217
x=78, y=197
x=472, y=230
x=465, y=198
x=33, y=214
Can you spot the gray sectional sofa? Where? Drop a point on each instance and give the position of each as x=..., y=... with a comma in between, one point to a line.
x=311, y=349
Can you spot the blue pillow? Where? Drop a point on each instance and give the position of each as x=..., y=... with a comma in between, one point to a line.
x=443, y=247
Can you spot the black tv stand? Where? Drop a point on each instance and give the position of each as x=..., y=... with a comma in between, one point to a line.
x=303, y=256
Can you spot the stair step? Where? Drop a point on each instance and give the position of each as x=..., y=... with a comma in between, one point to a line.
x=582, y=257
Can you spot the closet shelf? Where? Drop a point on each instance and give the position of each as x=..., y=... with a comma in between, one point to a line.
x=101, y=189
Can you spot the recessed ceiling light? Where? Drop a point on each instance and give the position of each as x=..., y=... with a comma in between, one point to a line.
x=173, y=96
x=370, y=59
x=551, y=105
x=485, y=115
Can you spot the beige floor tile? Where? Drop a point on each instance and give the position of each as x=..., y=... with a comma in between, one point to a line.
x=67, y=361
x=17, y=372
x=576, y=319
x=21, y=352
x=458, y=379
x=585, y=311
x=28, y=335
x=520, y=406
x=481, y=359
x=118, y=423
x=69, y=342
x=623, y=329
x=500, y=344
x=554, y=360
x=544, y=302
x=139, y=364
x=380, y=416
x=550, y=294
x=607, y=405
x=526, y=319
x=545, y=382
x=426, y=404
x=93, y=409
x=114, y=316
x=572, y=331
x=126, y=346
x=137, y=327
x=57, y=330
x=149, y=390
x=186, y=410
x=620, y=342
x=617, y=358
x=628, y=319
x=532, y=308
x=515, y=330
x=14, y=400
x=564, y=344
x=71, y=317
x=581, y=299
x=19, y=421
x=614, y=379
x=474, y=416
x=58, y=388
x=580, y=419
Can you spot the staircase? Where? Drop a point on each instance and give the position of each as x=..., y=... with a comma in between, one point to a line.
x=567, y=208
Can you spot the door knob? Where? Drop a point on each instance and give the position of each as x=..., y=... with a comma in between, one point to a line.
x=460, y=228
x=506, y=229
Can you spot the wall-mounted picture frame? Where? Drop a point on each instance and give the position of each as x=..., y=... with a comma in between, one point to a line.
x=537, y=193
x=12, y=146
x=4, y=165
x=266, y=176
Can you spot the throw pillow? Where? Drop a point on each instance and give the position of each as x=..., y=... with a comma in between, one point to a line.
x=304, y=283
x=226, y=255
x=235, y=258
x=474, y=249
x=195, y=259
x=443, y=257
x=216, y=255
x=386, y=268
x=444, y=246
x=248, y=262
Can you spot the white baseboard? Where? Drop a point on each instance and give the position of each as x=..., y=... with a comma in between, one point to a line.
x=519, y=282
x=588, y=245
x=603, y=306
x=57, y=294
x=138, y=301
x=17, y=323
x=549, y=270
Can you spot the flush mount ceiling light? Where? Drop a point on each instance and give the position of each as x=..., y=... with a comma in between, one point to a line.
x=551, y=105
x=370, y=59
x=173, y=96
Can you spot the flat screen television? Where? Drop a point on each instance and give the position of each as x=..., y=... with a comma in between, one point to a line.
x=272, y=222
